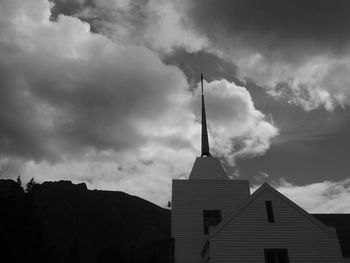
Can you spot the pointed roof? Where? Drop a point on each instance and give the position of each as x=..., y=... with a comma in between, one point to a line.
x=205, y=141
x=207, y=168
x=257, y=193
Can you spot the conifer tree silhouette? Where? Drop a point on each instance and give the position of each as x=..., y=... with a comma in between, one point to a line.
x=30, y=185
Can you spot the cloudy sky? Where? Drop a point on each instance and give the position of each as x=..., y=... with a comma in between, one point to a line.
x=106, y=92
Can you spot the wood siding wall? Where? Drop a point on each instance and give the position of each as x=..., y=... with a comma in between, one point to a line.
x=189, y=199
x=244, y=238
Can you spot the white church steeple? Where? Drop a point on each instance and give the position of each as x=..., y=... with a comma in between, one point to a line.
x=200, y=203
x=205, y=141
x=206, y=168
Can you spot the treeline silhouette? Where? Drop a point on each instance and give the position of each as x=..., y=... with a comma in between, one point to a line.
x=62, y=222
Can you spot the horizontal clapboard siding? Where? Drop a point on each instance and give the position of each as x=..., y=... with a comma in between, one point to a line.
x=189, y=199
x=244, y=238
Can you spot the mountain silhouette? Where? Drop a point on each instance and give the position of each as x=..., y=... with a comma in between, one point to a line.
x=63, y=222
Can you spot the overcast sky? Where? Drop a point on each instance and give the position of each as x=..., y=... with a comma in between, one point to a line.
x=106, y=92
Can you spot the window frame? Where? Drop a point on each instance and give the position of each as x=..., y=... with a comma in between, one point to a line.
x=280, y=255
x=269, y=211
x=211, y=218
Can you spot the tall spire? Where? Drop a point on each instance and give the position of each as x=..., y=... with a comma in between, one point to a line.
x=205, y=141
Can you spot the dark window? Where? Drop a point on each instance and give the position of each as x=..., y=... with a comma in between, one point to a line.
x=211, y=218
x=269, y=211
x=276, y=255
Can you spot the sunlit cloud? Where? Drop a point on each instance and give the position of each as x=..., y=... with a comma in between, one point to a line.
x=321, y=197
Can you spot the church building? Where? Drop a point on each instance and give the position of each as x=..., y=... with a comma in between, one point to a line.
x=215, y=219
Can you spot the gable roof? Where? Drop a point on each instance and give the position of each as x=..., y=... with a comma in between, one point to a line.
x=257, y=193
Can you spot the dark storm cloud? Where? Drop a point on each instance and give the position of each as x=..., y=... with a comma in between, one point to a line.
x=89, y=104
x=101, y=14
x=161, y=26
x=19, y=132
x=193, y=64
x=276, y=24
x=67, y=91
x=69, y=7
x=297, y=51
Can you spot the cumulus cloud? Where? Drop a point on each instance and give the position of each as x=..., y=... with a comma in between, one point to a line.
x=76, y=105
x=60, y=80
x=236, y=127
x=321, y=81
x=322, y=197
x=295, y=50
x=157, y=24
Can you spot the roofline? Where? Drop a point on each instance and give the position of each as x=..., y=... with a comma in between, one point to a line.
x=238, y=181
x=250, y=199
